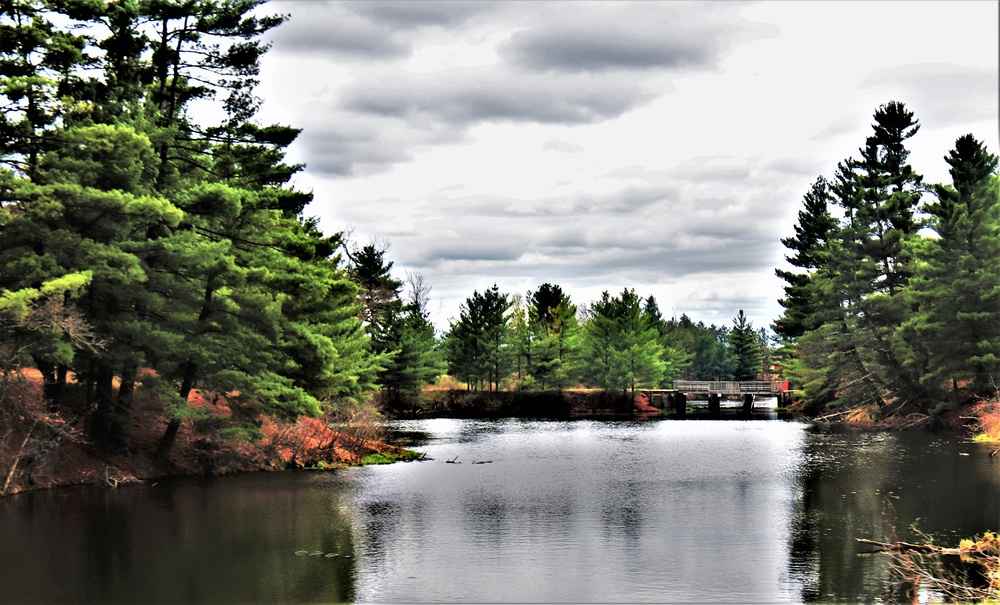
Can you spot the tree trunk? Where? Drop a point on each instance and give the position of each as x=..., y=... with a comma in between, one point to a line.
x=170, y=435
x=49, y=380
x=123, y=405
x=60, y=387
x=100, y=419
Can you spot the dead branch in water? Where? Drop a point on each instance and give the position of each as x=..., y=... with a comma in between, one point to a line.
x=907, y=546
x=829, y=417
x=922, y=565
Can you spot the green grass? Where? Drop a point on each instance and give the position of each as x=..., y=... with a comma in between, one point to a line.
x=378, y=458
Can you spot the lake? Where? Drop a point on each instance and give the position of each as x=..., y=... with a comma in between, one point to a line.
x=694, y=511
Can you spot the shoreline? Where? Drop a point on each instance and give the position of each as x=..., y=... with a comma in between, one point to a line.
x=311, y=443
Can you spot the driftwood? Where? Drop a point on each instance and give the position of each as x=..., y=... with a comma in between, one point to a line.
x=452, y=461
x=17, y=459
x=921, y=564
x=833, y=415
x=908, y=547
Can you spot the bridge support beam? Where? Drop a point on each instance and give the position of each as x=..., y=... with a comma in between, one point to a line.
x=748, y=399
x=679, y=402
x=714, y=405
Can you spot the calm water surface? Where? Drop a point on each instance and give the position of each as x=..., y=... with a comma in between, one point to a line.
x=529, y=511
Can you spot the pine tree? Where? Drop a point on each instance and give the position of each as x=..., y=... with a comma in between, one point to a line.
x=855, y=292
x=675, y=359
x=554, y=334
x=418, y=360
x=621, y=347
x=745, y=345
x=37, y=61
x=810, y=248
x=379, y=291
x=954, y=336
x=408, y=334
x=477, y=344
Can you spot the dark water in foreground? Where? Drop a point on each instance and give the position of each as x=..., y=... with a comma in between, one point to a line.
x=580, y=511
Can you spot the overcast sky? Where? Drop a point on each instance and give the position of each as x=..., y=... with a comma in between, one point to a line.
x=660, y=146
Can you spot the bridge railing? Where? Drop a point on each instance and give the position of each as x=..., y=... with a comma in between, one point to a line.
x=728, y=386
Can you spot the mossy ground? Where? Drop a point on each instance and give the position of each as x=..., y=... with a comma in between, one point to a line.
x=389, y=457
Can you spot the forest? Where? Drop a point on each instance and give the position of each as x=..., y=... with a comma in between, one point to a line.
x=144, y=251
x=895, y=303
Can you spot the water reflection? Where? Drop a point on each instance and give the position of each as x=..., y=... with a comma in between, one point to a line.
x=231, y=540
x=872, y=485
x=589, y=511
x=582, y=511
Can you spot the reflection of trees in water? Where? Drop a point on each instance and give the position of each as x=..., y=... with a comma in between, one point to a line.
x=622, y=510
x=247, y=530
x=840, y=498
x=207, y=541
x=877, y=486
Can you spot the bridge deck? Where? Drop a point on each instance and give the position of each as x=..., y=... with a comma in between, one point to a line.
x=725, y=387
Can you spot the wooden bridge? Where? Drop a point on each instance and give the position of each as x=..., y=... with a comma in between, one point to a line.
x=676, y=398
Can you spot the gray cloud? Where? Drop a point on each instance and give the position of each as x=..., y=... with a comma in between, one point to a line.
x=638, y=234
x=467, y=96
x=408, y=14
x=629, y=36
x=846, y=123
x=691, y=233
x=349, y=151
x=610, y=57
x=368, y=29
x=595, y=48
x=328, y=28
x=941, y=94
x=473, y=251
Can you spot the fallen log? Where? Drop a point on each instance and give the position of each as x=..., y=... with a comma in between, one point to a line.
x=908, y=547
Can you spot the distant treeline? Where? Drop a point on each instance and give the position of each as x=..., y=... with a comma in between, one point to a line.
x=542, y=341
x=896, y=299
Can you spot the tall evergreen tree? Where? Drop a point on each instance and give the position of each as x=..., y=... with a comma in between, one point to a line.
x=38, y=62
x=379, y=293
x=744, y=342
x=810, y=249
x=477, y=343
x=622, y=350
x=554, y=334
x=954, y=336
x=847, y=355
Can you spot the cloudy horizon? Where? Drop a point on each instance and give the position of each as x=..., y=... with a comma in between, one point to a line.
x=659, y=146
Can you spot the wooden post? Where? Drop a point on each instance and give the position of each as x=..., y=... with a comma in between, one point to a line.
x=679, y=401
x=748, y=405
x=714, y=405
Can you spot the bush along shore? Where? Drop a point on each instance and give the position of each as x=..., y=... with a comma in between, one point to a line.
x=40, y=448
